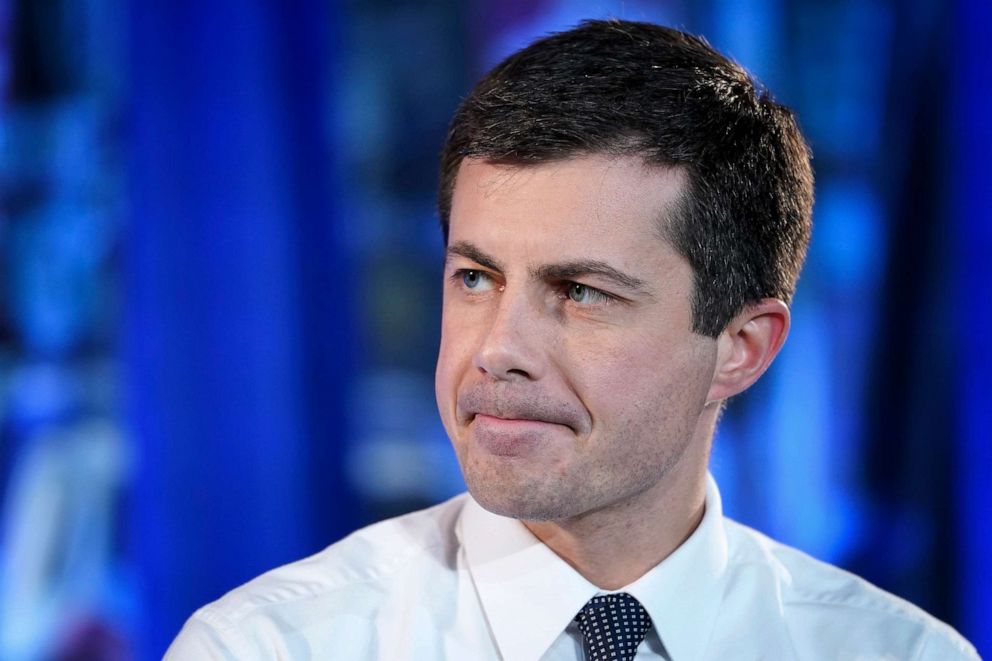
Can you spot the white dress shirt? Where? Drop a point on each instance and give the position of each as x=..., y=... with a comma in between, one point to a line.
x=458, y=582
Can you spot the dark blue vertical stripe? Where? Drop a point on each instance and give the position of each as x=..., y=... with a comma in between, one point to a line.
x=972, y=209
x=227, y=152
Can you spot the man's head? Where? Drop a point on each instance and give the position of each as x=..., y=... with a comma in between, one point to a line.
x=624, y=218
x=624, y=88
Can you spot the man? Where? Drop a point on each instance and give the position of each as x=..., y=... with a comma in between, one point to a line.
x=625, y=218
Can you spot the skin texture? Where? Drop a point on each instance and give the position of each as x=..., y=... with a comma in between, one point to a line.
x=575, y=394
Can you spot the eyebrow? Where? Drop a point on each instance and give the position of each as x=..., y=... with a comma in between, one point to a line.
x=580, y=267
x=469, y=250
x=560, y=271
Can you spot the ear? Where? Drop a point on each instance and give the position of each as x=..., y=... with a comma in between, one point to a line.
x=747, y=346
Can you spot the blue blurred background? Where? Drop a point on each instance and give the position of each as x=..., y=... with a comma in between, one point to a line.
x=219, y=293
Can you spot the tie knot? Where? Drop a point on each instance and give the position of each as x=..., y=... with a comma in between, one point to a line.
x=613, y=625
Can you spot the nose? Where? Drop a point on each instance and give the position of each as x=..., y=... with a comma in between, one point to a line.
x=513, y=348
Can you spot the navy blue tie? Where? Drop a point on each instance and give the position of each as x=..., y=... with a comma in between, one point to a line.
x=613, y=625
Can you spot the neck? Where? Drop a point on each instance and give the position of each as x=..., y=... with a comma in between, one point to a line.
x=614, y=546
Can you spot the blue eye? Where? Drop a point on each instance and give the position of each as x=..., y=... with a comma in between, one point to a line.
x=584, y=295
x=474, y=280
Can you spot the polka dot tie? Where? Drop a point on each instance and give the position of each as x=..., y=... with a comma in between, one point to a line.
x=613, y=625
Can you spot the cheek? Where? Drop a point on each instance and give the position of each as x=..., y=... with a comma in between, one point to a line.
x=642, y=376
x=454, y=358
x=447, y=360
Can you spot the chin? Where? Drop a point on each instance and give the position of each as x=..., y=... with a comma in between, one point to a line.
x=521, y=488
x=518, y=501
x=514, y=508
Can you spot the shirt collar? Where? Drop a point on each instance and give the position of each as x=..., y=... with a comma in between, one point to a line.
x=682, y=594
x=530, y=595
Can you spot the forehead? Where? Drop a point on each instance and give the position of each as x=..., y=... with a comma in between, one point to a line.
x=597, y=206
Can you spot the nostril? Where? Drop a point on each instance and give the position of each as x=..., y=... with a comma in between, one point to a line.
x=496, y=372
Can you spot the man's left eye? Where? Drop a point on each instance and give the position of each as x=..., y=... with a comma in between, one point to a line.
x=585, y=295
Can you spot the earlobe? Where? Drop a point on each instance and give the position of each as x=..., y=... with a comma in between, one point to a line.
x=748, y=346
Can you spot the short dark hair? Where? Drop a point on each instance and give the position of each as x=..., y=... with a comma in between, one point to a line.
x=628, y=88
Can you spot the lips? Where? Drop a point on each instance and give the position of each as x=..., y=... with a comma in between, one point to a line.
x=513, y=423
x=508, y=437
x=520, y=409
x=517, y=422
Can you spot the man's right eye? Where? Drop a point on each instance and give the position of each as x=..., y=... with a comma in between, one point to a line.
x=473, y=280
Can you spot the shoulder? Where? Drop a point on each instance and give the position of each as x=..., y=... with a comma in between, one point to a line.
x=373, y=555
x=822, y=607
x=353, y=579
